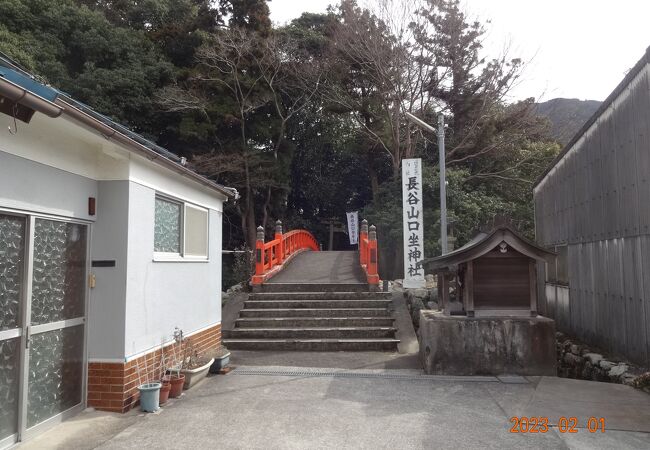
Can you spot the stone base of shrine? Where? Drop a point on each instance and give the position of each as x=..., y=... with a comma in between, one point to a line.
x=460, y=345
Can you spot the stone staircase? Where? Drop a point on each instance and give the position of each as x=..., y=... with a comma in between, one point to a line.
x=314, y=317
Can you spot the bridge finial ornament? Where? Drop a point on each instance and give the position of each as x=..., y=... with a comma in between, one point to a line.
x=364, y=226
x=260, y=233
x=373, y=233
x=278, y=226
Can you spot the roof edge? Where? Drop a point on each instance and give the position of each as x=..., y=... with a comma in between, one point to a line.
x=111, y=133
x=478, y=247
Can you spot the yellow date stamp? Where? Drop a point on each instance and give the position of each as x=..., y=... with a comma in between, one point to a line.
x=564, y=424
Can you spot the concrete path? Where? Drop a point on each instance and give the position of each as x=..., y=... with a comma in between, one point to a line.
x=322, y=267
x=284, y=407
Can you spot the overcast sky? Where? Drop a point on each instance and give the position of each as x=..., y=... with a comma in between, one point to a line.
x=576, y=48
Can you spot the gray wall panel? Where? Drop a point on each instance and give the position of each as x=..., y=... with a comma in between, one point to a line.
x=31, y=186
x=597, y=199
x=107, y=305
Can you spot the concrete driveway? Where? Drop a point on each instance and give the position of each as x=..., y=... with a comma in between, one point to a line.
x=286, y=407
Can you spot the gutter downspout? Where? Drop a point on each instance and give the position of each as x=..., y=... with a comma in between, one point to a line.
x=17, y=94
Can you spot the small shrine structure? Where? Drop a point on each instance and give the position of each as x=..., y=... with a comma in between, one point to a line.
x=494, y=274
x=488, y=324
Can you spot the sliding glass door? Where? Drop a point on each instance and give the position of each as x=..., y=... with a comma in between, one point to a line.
x=12, y=277
x=43, y=268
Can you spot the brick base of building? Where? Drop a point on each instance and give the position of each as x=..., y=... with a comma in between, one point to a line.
x=114, y=386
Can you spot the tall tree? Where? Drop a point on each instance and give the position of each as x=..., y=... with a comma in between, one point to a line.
x=259, y=83
x=114, y=69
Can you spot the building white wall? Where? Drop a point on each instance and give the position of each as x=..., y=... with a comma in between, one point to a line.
x=64, y=144
x=163, y=295
x=107, y=305
x=52, y=166
x=37, y=188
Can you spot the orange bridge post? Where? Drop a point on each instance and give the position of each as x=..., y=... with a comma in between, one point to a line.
x=368, y=256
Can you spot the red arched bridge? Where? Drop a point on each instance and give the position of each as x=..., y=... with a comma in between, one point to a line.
x=274, y=261
x=307, y=299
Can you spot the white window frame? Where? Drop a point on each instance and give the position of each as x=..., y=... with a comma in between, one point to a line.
x=182, y=256
x=207, y=233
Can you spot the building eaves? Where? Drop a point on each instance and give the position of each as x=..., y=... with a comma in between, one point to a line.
x=53, y=102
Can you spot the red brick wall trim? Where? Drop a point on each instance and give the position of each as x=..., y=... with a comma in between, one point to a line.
x=113, y=386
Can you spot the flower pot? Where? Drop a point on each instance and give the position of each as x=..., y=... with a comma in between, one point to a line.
x=164, y=390
x=176, y=382
x=193, y=376
x=149, y=396
x=219, y=363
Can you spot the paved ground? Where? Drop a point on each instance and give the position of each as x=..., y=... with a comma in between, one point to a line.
x=322, y=267
x=346, y=400
x=281, y=407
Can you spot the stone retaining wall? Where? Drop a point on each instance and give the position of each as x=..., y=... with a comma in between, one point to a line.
x=576, y=360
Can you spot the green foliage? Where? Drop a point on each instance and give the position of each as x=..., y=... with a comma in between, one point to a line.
x=468, y=209
x=238, y=267
x=213, y=80
x=116, y=70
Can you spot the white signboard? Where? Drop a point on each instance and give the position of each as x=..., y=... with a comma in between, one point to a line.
x=353, y=226
x=413, y=223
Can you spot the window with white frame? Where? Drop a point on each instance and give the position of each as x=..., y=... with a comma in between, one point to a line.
x=180, y=230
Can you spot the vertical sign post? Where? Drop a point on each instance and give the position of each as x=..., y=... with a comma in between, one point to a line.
x=353, y=227
x=413, y=223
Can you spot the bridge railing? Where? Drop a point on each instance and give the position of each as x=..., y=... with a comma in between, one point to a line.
x=271, y=256
x=368, y=257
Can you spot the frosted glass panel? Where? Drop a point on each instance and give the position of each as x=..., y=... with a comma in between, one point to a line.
x=59, y=281
x=55, y=373
x=9, y=372
x=196, y=231
x=167, y=230
x=12, y=259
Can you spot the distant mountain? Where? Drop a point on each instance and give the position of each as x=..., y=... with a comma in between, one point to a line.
x=567, y=115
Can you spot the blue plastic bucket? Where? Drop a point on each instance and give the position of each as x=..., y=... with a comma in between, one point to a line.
x=149, y=396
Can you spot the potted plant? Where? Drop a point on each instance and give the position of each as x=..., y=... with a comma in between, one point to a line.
x=149, y=391
x=221, y=359
x=173, y=366
x=176, y=382
x=195, y=366
x=149, y=396
x=166, y=387
x=165, y=380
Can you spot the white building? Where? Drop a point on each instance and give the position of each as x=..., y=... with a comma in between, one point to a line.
x=107, y=243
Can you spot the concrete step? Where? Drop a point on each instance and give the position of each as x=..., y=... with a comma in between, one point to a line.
x=312, y=322
x=327, y=345
x=320, y=296
x=315, y=312
x=310, y=333
x=315, y=304
x=315, y=287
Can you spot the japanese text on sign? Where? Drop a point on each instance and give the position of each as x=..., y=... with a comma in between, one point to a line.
x=413, y=224
x=353, y=227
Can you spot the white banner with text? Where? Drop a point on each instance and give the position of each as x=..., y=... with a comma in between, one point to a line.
x=413, y=223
